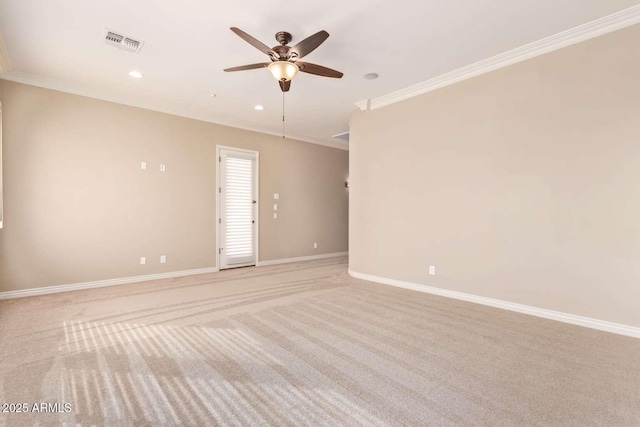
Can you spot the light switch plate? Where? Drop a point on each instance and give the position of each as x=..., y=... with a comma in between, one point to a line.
x=143, y=165
x=276, y=196
x=163, y=168
x=275, y=207
x=275, y=215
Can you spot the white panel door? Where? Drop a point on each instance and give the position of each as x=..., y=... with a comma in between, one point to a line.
x=237, y=208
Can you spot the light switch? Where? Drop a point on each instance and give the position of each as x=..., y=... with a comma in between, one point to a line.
x=275, y=207
x=162, y=167
x=143, y=165
x=275, y=215
x=276, y=196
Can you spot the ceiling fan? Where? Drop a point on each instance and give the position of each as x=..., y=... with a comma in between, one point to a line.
x=284, y=63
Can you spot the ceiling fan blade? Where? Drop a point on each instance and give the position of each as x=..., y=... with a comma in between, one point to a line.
x=318, y=70
x=285, y=86
x=309, y=44
x=248, y=67
x=253, y=41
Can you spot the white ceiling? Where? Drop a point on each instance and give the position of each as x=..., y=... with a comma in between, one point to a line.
x=59, y=44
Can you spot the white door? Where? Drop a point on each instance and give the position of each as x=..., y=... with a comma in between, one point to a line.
x=237, y=208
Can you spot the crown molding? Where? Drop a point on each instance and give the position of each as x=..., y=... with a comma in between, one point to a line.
x=105, y=95
x=5, y=65
x=607, y=24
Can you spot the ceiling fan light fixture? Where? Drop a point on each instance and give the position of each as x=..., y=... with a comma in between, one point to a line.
x=283, y=71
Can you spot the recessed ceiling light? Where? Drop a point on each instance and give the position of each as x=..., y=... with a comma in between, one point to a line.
x=371, y=76
x=135, y=74
x=259, y=107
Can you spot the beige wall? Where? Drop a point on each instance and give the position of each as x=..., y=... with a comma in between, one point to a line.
x=78, y=208
x=521, y=185
x=1, y=198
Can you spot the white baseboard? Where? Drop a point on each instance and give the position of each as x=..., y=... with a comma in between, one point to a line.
x=587, y=322
x=102, y=283
x=301, y=258
x=135, y=279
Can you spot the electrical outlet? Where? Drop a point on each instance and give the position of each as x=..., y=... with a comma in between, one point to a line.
x=276, y=196
x=143, y=165
x=432, y=270
x=163, y=259
x=275, y=207
x=143, y=260
x=275, y=215
x=315, y=245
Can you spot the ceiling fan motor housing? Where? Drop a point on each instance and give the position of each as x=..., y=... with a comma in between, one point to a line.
x=282, y=52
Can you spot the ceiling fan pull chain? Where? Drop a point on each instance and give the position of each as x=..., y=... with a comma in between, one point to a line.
x=283, y=114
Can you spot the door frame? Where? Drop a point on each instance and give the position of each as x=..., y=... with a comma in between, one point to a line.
x=256, y=183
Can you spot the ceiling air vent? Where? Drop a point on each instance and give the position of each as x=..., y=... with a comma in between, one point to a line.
x=123, y=42
x=131, y=44
x=113, y=38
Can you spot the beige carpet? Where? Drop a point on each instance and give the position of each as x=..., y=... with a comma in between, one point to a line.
x=304, y=344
